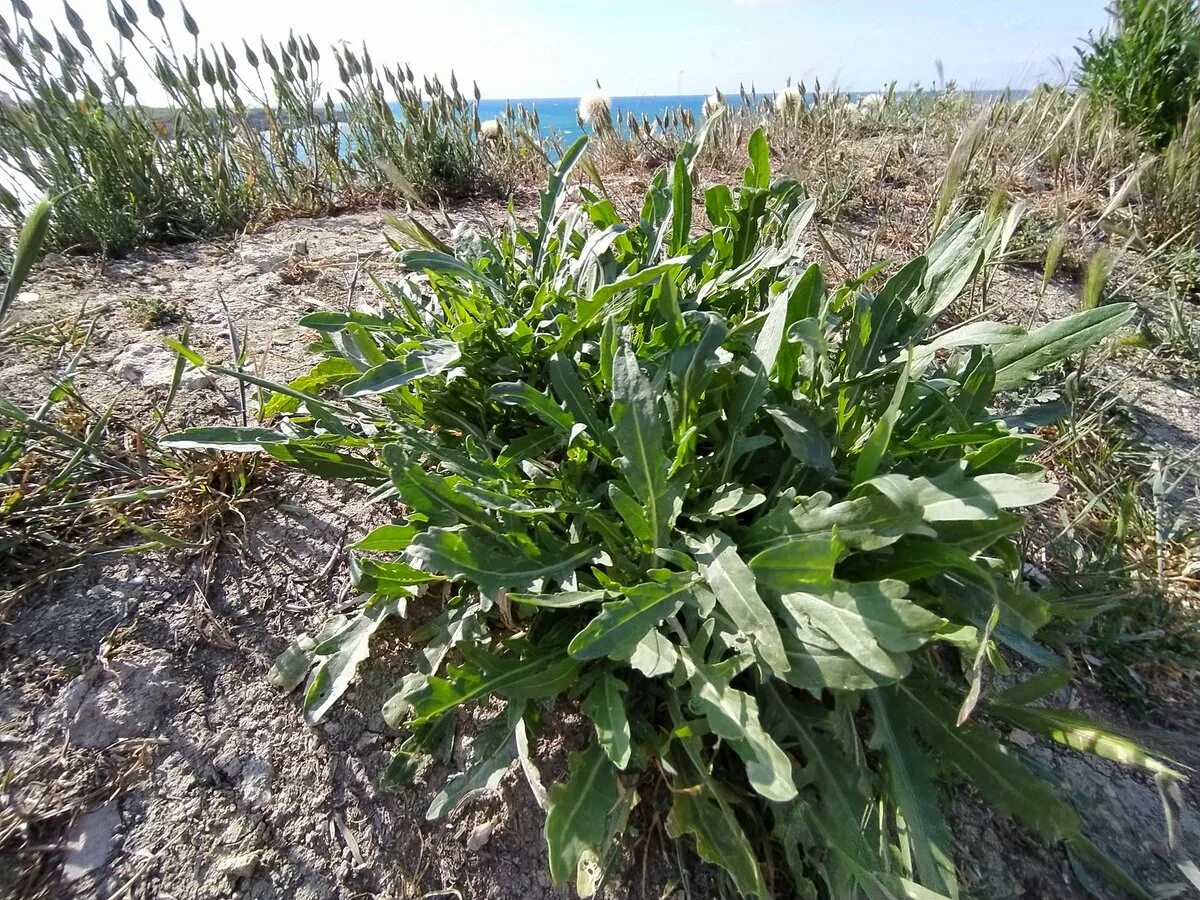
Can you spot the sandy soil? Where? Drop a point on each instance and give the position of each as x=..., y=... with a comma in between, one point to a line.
x=147, y=756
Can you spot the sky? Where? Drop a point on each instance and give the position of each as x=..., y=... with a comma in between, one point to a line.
x=560, y=48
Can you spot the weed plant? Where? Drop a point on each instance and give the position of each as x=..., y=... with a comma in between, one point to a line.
x=758, y=529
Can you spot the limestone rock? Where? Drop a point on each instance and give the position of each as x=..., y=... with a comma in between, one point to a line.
x=154, y=367
x=90, y=841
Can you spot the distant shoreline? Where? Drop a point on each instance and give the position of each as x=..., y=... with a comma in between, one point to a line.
x=559, y=113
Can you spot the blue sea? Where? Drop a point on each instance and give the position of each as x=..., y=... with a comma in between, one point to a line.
x=558, y=113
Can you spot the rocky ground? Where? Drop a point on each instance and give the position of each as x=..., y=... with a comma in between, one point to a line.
x=144, y=753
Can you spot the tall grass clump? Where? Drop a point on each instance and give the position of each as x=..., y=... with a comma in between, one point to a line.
x=1147, y=66
x=757, y=529
x=248, y=133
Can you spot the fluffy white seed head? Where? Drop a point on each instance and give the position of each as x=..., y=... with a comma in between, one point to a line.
x=596, y=109
x=490, y=130
x=868, y=102
x=850, y=109
x=789, y=99
x=713, y=104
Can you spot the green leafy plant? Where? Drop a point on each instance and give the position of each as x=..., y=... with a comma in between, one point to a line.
x=759, y=530
x=1148, y=66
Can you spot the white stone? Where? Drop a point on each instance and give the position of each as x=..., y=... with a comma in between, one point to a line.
x=239, y=865
x=90, y=841
x=114, y=701
x=154, y=367
x=480, y=835
x=263, y=259
x=258, y=776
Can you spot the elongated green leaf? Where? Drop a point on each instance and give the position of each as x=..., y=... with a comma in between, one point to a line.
x=719, y=837
x=867, y=619
x=29, y=245
x=773, y=333
x=1013, y=491
x=219, y=437
x=1112, y=870
x=816, y=668
x=758, y=175
x=332, y=372
x=622, y=624
x=632, y=512
x=519, y=394
x=560, y=600
x=1054, y=342
x=953, y=259
x=728, y=501
x=291, y=666
x=394, y=579
x=868, y=522
x=495, y=750
x=749, y=394
x=803, y=438
x=911, y=778
x=577, y=820
x=358, y=347
x=433, y=358
x=540, y=674
x=736, y=590
x=840, y=815
x=411, y=227
x=435, y=496
x=443, y=263
x=638, y=429
x=954, y=497
x=338, y=656
x=318, y=459
x=681, y=206
x=692, y=364
x=330, y=322
x=912, y=559
x=552, y=197
x=733, y=715
x=533, y=777
x=795, y=564
x=804, y=302
x=417, y=752
x=570, y=390
x=605, y=706
x=981, y=656
x=589, y=309
x=972, y=596
x=654, y=655
x=492, y=564
x=1041, y=685
x=387, y=539
x=891, y=308
x=880, y=438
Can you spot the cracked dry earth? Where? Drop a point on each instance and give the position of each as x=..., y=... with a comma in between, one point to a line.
x=145, y=754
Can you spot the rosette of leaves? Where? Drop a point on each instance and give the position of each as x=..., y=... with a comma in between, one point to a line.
x=760, y=531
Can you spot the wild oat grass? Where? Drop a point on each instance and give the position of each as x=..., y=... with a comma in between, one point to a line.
x=250, y=133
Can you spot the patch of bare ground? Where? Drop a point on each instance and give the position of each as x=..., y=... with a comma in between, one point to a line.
x=145, y=754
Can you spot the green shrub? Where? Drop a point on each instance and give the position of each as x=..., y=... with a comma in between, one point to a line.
x=1148, y=67
x=759, y=531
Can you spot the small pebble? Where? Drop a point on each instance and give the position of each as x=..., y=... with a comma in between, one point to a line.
x=480, y=835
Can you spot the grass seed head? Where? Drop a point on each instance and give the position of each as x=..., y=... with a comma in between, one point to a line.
x=595, y=109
